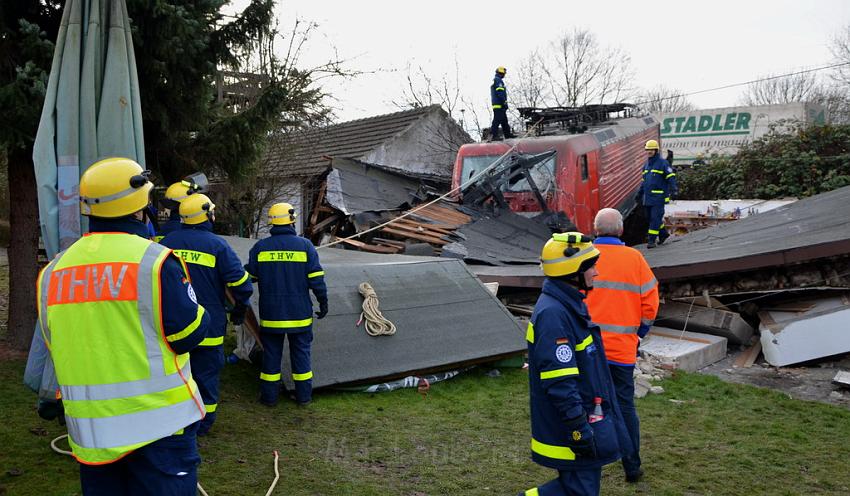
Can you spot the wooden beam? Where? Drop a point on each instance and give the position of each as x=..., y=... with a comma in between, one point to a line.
x=414, y=235
x=320, y=197
x=748, y=357
x=370, y=248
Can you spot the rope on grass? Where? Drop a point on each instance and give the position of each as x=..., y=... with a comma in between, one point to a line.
x=276, y=474
x=376, y=323
x=57, y=448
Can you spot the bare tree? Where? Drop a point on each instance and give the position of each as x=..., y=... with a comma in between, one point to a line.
x=578, y=70
x=663, y=100
x=771, y=90
x=531, y=87
x=423, y=89
x=840, y=48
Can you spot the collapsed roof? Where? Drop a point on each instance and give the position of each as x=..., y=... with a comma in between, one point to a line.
x=445, y=318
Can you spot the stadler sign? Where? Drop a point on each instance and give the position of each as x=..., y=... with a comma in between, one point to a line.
x=723, y=131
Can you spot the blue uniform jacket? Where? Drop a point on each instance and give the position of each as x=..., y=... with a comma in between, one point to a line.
x=659, y=182
x=498, y=93
x=172, y=224
x=567, y=370
x=286, y=266
x=213, y=266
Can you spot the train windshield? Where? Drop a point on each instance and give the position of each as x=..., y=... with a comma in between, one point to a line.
x=543, y=174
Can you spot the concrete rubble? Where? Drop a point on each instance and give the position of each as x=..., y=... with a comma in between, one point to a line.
x=683, y=350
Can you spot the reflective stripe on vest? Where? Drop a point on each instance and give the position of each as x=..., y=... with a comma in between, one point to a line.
x=286, y=324
x=624, y=286
x=122, y=385
x=551, y=451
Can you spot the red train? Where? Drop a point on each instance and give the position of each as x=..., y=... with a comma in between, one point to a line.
x=597, y=162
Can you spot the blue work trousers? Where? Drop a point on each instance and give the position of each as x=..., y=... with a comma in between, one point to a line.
x=299, y=356
x=500, y=118
x=585, y=482
x=655, y=214
x=207, y=362
x=624, y=384
x=167, y=467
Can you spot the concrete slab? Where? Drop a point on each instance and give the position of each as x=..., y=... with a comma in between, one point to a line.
x=789, y=337
x=714, y=321
x=688, y=351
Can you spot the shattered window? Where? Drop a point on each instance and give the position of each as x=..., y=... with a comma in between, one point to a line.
x=474, y=165
x=543, y=175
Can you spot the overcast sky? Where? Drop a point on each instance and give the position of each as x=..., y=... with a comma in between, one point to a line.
x=689, y=46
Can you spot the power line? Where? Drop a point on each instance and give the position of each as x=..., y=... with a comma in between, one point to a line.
x=816, y=69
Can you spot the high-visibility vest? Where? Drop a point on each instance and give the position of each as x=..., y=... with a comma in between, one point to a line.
x=624, y=296
x=100, y=311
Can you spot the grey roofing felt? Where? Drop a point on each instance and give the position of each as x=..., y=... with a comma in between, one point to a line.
x=808, y=229
x=508, y=238
x=355, y=187
x=444, y=315
x=811, y=228
x=303, y=153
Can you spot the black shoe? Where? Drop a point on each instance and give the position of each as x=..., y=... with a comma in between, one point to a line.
x=651, y=244
x=662, y=238
x=270, y=404
x=634, y=476
x=303, y=403
x=511, y=136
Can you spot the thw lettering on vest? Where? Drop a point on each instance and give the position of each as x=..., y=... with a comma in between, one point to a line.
x=196, y=257
x=115, y=281
x=282, y=256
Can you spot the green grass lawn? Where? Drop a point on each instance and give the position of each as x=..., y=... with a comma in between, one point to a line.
x=467, y=436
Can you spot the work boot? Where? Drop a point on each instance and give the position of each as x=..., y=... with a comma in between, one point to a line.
x=651, y=244
x=270, y=404
x=634, y=476
x=662, y=237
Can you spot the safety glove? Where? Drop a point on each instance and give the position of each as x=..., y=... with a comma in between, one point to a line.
x=49, y=410
x=237, y=315
x=323, y=310
x=580, y=437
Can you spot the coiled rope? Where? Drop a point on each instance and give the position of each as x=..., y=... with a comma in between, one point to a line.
x=376, y=323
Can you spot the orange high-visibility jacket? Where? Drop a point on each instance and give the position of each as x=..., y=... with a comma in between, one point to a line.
x=624, y=299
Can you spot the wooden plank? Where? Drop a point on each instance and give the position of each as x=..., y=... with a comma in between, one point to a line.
x=388, y=242
x=319, y=199
x=444, y=216
x=370, y=248
x=450, y=212
x=317, y=228
x=416, y=230
x=748, y=357
x=520, y=309
x=427, y=227
x=414, y=235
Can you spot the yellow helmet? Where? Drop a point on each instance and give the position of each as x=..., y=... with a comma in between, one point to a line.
x=281, y=214
x=651, y=145
x=114, y=187
x=501, y=70
x=568, y=253
x=178, y=192
x=196, y=209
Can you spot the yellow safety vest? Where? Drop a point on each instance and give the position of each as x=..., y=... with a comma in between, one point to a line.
x=100, y=311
